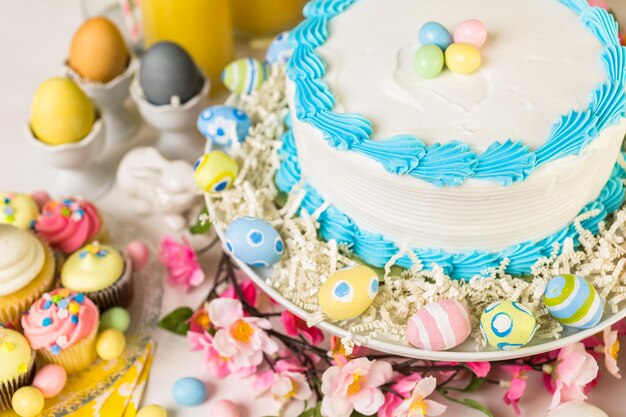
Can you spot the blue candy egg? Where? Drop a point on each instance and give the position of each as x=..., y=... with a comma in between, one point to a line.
x=224, y=125
x=254, y=241
x=280, y=50
x=436, y=34
x=189, y=391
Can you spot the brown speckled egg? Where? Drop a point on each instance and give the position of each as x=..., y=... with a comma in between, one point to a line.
x=98, y=52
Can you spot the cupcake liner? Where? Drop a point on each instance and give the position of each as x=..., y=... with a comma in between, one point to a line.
x=12, y=306
x=120, y=294
x=8, y=388
x=76, y=358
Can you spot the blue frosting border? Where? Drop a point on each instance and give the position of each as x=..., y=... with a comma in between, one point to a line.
x=452, y=163
x=375, y=250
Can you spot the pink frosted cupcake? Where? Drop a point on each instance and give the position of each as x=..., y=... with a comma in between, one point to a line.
x=69, y=224
x=62, y=327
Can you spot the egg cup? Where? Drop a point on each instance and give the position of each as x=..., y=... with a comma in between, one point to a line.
x=121, y=121
x=78, y=170
x=178, y=137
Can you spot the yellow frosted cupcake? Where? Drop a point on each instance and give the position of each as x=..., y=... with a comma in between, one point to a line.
x=102, y=273
x=19, y=210
x=17, y=365
x=26, y=272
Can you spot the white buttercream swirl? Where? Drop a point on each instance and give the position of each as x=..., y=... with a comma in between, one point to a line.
x=21, y=258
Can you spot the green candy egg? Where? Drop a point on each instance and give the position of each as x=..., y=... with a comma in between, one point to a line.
x=428, y=61
x=115, y=318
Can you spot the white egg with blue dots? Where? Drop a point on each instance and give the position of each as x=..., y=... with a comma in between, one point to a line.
x=507, y=325
x=348, y=293
x=254, y=241
x=224, y=125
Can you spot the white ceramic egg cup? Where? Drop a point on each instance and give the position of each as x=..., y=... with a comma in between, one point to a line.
x=121, y=121
x=78, y=170
x=178, y=137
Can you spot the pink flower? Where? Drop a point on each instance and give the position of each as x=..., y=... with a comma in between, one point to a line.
x=290, y=386
x=242, y=340
x=247, y=288
x=611, y=351
x=417, y=405
x=599, y=3
x=574, y=369
x=216, y=365
x=294, y=325
x=403, y=386
x=338, y=351
x=354, y=387
x=200, y=322
x=516, y=387
x=480, y=369
x=181, y=263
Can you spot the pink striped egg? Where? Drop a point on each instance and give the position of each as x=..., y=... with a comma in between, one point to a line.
x=438, y=326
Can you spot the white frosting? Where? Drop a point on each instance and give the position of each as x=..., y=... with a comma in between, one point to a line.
x=22, y=257
x=539, y=63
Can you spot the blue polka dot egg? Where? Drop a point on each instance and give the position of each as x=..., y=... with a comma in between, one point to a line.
x=507, y=325
x=254, y=241
x=573, y=301
x=224, y=125
x=280, y=50
x=215, y=172
x=348, y=293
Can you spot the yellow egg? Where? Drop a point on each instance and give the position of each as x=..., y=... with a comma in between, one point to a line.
x=152, y=410
x=463, y=58
x=347, y=293
x=98, y=52
x=61, y=113
x=27, y=402
x=110, y=344
x=507, y=325
x=215, y=171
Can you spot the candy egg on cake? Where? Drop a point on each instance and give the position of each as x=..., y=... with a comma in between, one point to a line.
x=440, y=325
x=50, y=380
x=436, y=34
x=19, y=210
x=280, y=49
x=348, y=293
x=573, y=301
x=507, y=325
x=472, y=31
x=254, y=241
x=244, y=76
x=463, y=58
x=224, y=125
x=215, y=171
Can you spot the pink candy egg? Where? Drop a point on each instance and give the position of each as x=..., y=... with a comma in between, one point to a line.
x=438, y=326
x=225, y=408
x=40, y=197
x=50, y=380
x=139, y=254
x=471, y=31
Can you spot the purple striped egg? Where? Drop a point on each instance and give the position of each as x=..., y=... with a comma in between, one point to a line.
x=438, y=326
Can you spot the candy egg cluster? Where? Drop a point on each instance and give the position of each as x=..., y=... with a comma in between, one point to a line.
x=254, y=241
x=244, y=76
x=215, y=171
x=224, y=125
x=438, y=49
x=507, y=325
x=573, y=301
x=347, y=293
x=439, y=326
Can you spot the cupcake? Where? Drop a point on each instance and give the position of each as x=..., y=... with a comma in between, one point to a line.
x=102, y=273
x=17, y=365
x=68, y=224
x=26, y=272
x=62, y=327
x=19, y=210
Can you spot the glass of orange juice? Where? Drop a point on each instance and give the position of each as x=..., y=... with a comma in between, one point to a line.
x=266, y=18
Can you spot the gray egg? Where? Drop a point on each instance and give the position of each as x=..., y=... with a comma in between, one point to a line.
x=166, y=71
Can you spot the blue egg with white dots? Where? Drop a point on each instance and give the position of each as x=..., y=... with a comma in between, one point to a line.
x=189, y=391
x=254, y=241
x=433, y=33
x=280, y=50
x=224, y=125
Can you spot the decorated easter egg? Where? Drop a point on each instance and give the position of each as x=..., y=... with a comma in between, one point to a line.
x=438, y=326
x=61, y=113
x=215, y=171
x=428, y=61
x=576, y=409
x=471, y=31
x=50, y=380
x=116, y=318
x=110, y=344
x=168, y=71
x=254, y=241
x=225, y=408
x=19, y=210
x=463, y=58
x=189, y=391
x=348, y=293
x=244, y=76
x=139, y=254
x=280, y=50
x=573, y=301
x=152, y=410
x=27, y=402
x=224, y=125
x=436, y=34
x=507, y=325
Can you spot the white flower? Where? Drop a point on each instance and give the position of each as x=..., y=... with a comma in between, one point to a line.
x=223, y=130
x=417, y=405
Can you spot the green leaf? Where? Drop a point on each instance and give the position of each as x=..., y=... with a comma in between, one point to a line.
x=176, y=321
x=468, y=402
x=474, y=384
x=203, y=224
x=313, y=412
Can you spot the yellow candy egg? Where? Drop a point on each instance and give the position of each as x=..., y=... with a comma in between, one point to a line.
x=507, y=325
x=19, y=210
x=463, y=58
x=27, y=402
x=110, y=344
x=347, y=293
x=152, y=410
x=61, y=113
x=215, y=171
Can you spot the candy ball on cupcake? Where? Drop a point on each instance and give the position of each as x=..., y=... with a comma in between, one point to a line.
x=62, y=327
x=102, y=273
x=17, y=365
x=26, y=272
x=19, y=210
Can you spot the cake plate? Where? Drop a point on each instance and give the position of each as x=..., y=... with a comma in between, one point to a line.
x=470, y=351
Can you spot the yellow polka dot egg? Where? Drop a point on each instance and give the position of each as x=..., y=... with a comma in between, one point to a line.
x=348, y=293
x=215, y=172
x=507, y=325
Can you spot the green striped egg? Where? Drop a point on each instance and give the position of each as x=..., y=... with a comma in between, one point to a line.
x=573, y=301
x=244, y=76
